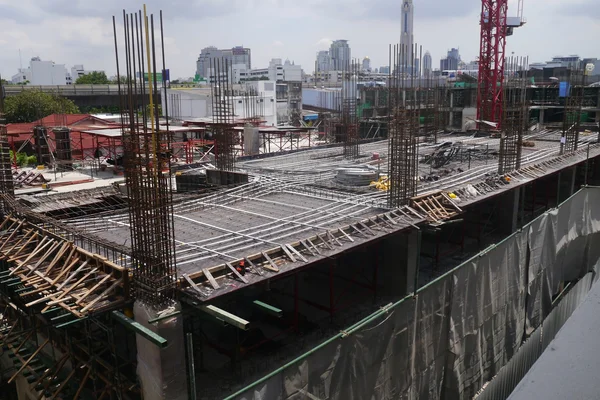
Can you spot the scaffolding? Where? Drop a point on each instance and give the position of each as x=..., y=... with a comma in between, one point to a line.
x=146, y=156
x=6, y=177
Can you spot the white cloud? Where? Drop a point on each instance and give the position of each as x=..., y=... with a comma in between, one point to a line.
x=80, y=31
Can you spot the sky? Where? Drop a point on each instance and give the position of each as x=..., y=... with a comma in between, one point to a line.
x=80, y=31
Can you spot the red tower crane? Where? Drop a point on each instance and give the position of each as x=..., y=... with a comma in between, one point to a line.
x=495, y=27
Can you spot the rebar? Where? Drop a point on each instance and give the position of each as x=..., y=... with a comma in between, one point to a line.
x=514, y=116
x=350, y=135
x=146, y=155
x=572, y=115
x=222, y=114
x=403, y=119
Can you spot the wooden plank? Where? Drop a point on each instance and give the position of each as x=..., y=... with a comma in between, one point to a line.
x=236, y=273
x=313, y=246
x=286, y=251
x=357, y=229
x=192, y=284
x=210, y=278
x=333, y=238
x=367, y=228
x=272, y=266
x=12, y=378
x=97, y=299
x=79, y=282
x=312, y=252
x=60, y=253
x=254, y=267
x=346, y=235
x=269, y=309
x=43, y=258
x=300, y=256
x=65, y=270
x=223, y=315
x=324, y=241
x=16, y=253
x=12, y=234
x=27, y=235
x=73, y=275
x=83, y=381
x=93, y=289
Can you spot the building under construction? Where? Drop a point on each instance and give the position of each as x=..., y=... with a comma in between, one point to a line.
x=415, y=266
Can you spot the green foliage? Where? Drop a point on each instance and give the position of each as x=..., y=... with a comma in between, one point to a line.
x=93, y=78
x=24, y=160
x=31, y=105
x=100, y=110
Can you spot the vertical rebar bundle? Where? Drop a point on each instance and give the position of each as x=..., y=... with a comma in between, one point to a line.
x=514, y=117
x=350, y=134
x=223, y=114
x=573, y=107
x=6, y=178
x=146, y=155
x=403, y=130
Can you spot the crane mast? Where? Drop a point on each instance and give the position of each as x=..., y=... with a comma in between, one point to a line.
x=491, y=60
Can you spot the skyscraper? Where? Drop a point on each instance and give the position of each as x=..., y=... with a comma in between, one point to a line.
x=323, y=61
x=366, y=64
x=340, y=55
x=427, y=64
x=450, y=63
x=406, y=36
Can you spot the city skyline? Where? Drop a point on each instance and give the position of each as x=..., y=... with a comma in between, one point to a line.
x=297, y=33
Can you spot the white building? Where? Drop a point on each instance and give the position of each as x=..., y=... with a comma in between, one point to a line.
x=41, y=73
x=234, y=56
x=78, y=71
x=196, y=103
x=276, y=71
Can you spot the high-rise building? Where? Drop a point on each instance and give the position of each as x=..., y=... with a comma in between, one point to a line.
x=450, y=63
x=238, y=55
x=427, y=64
x=366, y=64
x=323, y=61
x=406, y=36
x=340, y=55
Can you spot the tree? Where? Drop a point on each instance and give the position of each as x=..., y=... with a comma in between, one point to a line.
x=31, y=105
x=93, y=78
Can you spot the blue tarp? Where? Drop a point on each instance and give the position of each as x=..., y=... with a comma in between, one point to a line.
x=563, y=89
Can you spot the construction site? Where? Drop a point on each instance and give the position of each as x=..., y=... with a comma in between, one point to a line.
x=380, y=254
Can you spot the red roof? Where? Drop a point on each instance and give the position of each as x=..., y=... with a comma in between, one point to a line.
x=75, y=122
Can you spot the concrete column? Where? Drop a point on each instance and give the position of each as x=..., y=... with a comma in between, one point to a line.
x=542, y=115
x=508, y=212
x=399, y=262
x=162, y=371
x=566, y=183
